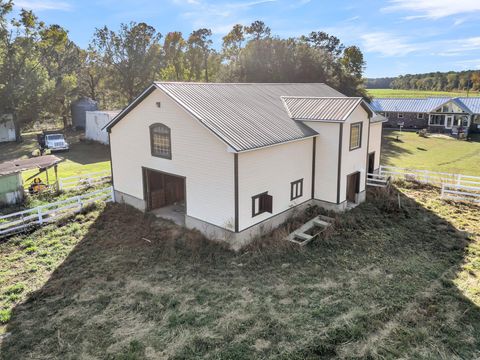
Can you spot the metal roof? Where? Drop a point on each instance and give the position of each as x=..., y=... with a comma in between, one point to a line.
x=40, y=162
x=473, y=103
x=425, y=105
x=407, y=105
x=320, y=108
x=246, y=116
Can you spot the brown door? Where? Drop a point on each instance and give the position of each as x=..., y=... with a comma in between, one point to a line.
x=353, y=186
x=371, y=163
x=163, y=189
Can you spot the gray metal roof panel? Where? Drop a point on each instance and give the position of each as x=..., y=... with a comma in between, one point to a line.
x=407, y=105
x=320, y=108
x=246, y=116
x=473, y=103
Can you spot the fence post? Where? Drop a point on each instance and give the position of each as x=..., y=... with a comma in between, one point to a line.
x=113, y=194
x=40, y=215
x=443, y=191
x=79, y=201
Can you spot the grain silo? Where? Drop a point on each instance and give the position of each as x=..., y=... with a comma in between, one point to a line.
x=79, y=110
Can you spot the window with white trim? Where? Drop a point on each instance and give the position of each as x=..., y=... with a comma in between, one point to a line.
x=420, y=116
x=400, y=115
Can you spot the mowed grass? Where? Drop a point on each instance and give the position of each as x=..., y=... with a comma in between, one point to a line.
x=393, y=93
x=397, y=278
x=434, y=153
x=83, y=157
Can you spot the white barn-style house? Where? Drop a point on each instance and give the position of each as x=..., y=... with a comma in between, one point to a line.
x=235, y=160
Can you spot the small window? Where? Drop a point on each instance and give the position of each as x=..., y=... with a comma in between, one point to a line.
x=387, y=114
x=160, y=141
x=261, y=203
x=400, y=115
x=296, y=189
x=420, y=116
x=355, y=136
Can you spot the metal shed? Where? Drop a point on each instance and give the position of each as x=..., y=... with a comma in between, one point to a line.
x=95, y=123
x=11, y=181
x=7, y=128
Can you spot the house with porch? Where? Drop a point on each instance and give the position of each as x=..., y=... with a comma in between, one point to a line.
x=236, y=160
x=454, y=116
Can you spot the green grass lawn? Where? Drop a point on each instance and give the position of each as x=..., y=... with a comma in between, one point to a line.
x=398, y=277
x=386, y=93
x=440, y=154
x=83, y=157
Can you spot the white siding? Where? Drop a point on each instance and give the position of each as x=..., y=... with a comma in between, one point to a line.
x=375, y=144
x=355, y=160
x=326, y=160
x=7, y=128
x=196, y=154
x=273, y=169
x=94, y=123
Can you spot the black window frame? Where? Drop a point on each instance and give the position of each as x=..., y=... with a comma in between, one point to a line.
x=263, y=203
x=169, y=133
x=296, y=185
x=360, y=136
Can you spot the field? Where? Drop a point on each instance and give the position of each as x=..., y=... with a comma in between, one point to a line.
x=83, y=157
x=433, y=153
x=390, y=281
x=386, y=93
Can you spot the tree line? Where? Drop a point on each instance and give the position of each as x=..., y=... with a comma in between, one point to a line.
x=42, y=70
x=434, y=81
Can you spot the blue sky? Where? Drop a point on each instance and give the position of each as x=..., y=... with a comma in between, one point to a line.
x=396, y=36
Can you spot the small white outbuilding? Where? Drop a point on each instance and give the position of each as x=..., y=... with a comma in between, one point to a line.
x=94, y=123
x=7, y=128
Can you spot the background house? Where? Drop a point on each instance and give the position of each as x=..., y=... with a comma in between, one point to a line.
x=238, y=159
x=445, y=115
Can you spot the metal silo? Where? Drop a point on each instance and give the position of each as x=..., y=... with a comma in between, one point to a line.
x=79, y=109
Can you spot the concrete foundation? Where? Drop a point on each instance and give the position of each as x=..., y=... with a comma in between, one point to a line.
x=238, y=240
x=123, y=198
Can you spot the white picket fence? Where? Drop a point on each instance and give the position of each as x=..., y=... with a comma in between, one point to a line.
x=456, y=187
x=84, y=181
x=44, y=214
x=430, y=177
x=461, y=193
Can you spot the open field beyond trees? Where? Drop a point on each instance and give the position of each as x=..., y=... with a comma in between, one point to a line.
x=390, y=281
x=434, y=153
x=386, y=93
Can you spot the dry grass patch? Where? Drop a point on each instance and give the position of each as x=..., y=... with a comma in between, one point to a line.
x=389, y=282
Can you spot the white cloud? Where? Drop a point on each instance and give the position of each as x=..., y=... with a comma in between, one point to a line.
x=39, y=5
x=469, y=64
x=387, y=44
x=219, y=17
x=434, y=9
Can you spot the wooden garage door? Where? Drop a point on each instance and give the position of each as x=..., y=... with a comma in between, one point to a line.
x=163, y=189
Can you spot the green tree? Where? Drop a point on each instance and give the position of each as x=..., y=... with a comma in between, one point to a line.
x=199, y=49
x=174, y=50
x=132, y=57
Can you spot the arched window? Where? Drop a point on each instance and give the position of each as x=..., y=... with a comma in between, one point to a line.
x=160, y=141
